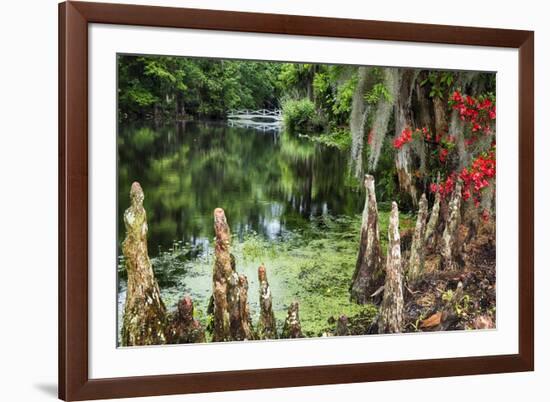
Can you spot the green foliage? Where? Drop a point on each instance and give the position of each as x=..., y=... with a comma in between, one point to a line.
x=300, y=116
x=344, y=97
x=440, y=83
x=179, y=87
x=297, y=79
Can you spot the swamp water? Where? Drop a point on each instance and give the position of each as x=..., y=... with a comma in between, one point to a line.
x=289, y=202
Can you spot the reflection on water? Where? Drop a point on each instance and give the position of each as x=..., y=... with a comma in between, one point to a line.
x=273, y=187
x=270, y=183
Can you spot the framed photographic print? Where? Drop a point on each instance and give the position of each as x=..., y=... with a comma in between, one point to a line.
x=260, y=200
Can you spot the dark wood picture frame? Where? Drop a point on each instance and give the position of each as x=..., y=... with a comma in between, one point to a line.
x=74, y=17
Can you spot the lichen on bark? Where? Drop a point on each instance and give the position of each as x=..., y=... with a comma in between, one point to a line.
x=144, y=319
x=391, y=310
x=267, y=326
x=368, y=273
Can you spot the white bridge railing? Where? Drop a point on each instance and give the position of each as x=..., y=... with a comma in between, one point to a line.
x=264, y=114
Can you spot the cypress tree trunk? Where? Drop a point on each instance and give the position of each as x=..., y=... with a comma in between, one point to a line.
x=183, y=328
x=368, y=275
x=144, y=317
x=391, y=311
x=449, y=239
x=293, y=327
x=416, y=261
x=267, y=326
x=403, y=119
x=440, y=111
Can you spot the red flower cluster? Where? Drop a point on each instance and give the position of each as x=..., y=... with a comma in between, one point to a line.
x=407, y=135
x=446, y=188
x=404, y=138
x=478, y=112
x=478, y=175
x=474, y=179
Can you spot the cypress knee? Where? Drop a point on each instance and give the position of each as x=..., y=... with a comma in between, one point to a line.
x=391, y=311
x=223, y=272
x=267, y=327
x=230, y=291
x=183, y=327
x=368, y=274
x=144, y=320
x=430, y=235
x=342, y=326
x=416, y=260
x=243, y=322
x=293, y=327
x=449, y=239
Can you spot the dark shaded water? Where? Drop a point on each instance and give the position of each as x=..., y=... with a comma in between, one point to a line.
x=268, y=183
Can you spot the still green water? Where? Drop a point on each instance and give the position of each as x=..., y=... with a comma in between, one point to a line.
x=289, y=201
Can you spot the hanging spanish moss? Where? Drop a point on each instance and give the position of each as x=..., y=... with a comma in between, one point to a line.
x=403, y=120
x=382, y=115
x=357, y=120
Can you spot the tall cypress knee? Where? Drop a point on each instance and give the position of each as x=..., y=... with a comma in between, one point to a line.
x=416, y=260
x=230, y=291
x=368, y=275
x=223, y=272
x=449, y=239
x=391, y=311
x=144, y=320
